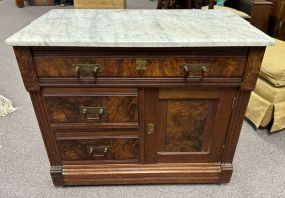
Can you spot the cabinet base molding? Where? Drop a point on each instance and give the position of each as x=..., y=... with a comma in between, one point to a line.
x=166, y=173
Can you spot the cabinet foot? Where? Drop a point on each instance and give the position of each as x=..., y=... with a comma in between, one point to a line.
x=226, y=174
x=56, y=174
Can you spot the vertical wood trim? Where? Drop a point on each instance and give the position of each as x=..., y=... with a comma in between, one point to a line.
x=252, y=68
x=27, y=69
x=141, y=125
x=260, y=13
x=277, y=22
x=151, y=116
x=162, y=124
x=236, y=122
x=222, y=121
x=209, y=126
x=47, y=133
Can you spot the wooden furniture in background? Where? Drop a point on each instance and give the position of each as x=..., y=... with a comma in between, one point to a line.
x=42, y=2
x=277, y=20
x=19, y=3
x=259, y=11
x=183, y=4
x=100, y=4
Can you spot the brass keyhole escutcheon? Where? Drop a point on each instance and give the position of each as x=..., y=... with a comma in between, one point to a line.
x=150, y=129
x=141, y=65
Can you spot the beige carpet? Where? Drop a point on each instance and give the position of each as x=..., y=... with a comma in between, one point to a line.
x=259, y=165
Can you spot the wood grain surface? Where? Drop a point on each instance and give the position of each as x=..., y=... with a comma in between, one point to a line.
x=27, y=69
x=118, y=149
x=111, y=67
x=186, y=121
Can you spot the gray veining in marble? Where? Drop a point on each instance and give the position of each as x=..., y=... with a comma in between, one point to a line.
x=139, y=28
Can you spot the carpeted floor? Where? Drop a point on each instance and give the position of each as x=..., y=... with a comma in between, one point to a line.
x=259, y=165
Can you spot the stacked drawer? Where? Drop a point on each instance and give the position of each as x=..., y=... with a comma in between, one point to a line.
x=98, y=124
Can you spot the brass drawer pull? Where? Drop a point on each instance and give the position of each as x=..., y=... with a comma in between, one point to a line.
x=98, y=151
x=194, y=69
x=87, y=69
x=96, y=112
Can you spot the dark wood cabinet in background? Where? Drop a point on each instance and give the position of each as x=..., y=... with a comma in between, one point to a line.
x=277, y=19
x=150, y=115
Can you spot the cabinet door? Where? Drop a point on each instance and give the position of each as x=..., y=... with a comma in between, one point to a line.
x=186, y=124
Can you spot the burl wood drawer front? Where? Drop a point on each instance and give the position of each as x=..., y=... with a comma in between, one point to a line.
x=107, y=149
x=97, y=105
x=88, y=67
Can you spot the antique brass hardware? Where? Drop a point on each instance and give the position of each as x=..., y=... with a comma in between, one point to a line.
x=92, y=113
x=193, y=69
x=98, y=151
x=141, y=65
x=87, y=69
x=150, y=128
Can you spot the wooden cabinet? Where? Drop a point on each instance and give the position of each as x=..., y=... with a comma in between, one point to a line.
x=150, y=115
x=277, y=19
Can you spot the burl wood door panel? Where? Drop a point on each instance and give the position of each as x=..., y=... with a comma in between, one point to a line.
x=116, y=149
x=186, y=121
x=130, y=67
x=190, y=124
x=97, y=105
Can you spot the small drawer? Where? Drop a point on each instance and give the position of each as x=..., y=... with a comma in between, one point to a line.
x=105, y=149
x=80, y=105
x=88, y=67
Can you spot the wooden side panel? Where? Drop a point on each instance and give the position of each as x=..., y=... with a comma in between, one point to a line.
x=253, y=65
x=237, y=118
x=27, y=69
x=47, y=134
x=231, y=140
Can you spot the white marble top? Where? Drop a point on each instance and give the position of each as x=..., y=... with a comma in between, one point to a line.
x=139, y=28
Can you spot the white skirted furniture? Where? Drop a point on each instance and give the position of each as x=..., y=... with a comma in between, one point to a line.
x=267, y=102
